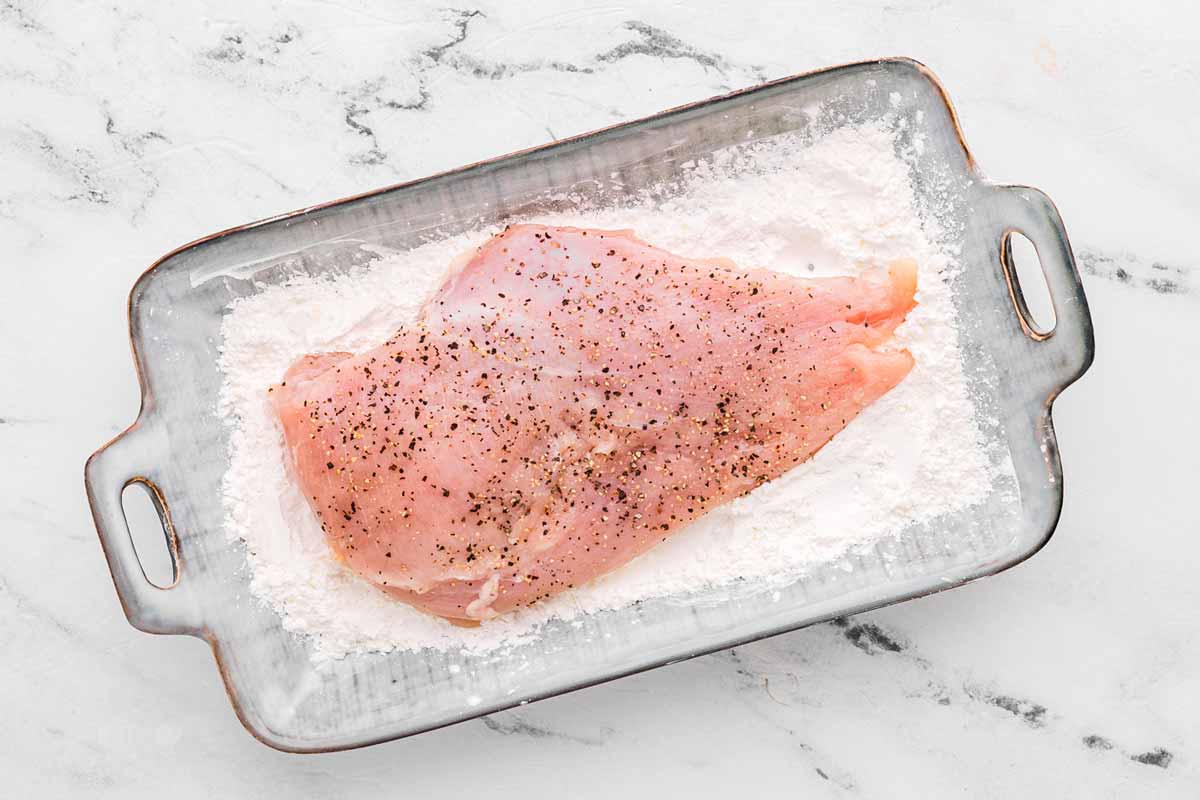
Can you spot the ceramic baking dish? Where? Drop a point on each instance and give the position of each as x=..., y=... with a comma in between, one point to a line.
x=178, y=446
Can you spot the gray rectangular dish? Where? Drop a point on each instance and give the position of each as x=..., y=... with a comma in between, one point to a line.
x=178, y=446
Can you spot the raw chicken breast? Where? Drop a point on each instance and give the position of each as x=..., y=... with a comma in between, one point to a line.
x=568, y=399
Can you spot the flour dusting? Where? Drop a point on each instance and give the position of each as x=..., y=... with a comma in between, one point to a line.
x=835, y=206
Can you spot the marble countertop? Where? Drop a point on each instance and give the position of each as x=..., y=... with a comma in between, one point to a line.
x=131, y=128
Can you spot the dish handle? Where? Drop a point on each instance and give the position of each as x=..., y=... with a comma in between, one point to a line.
x=125, y=460
x=1064, y=352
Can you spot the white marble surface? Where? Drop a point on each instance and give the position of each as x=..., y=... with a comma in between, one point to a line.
x=127, y=129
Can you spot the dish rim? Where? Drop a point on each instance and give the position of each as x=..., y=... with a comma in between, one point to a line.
x=145, y=405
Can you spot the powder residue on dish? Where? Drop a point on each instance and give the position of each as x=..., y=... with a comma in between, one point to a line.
x=838, y=205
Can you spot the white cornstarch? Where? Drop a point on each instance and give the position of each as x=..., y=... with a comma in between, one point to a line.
x=838, y=205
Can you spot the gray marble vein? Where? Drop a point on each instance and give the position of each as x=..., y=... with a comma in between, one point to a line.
x=1139, y=273
x=14, y=13
x=509, y=724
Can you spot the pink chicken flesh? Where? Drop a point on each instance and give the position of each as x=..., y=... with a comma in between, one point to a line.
x=566, y=400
